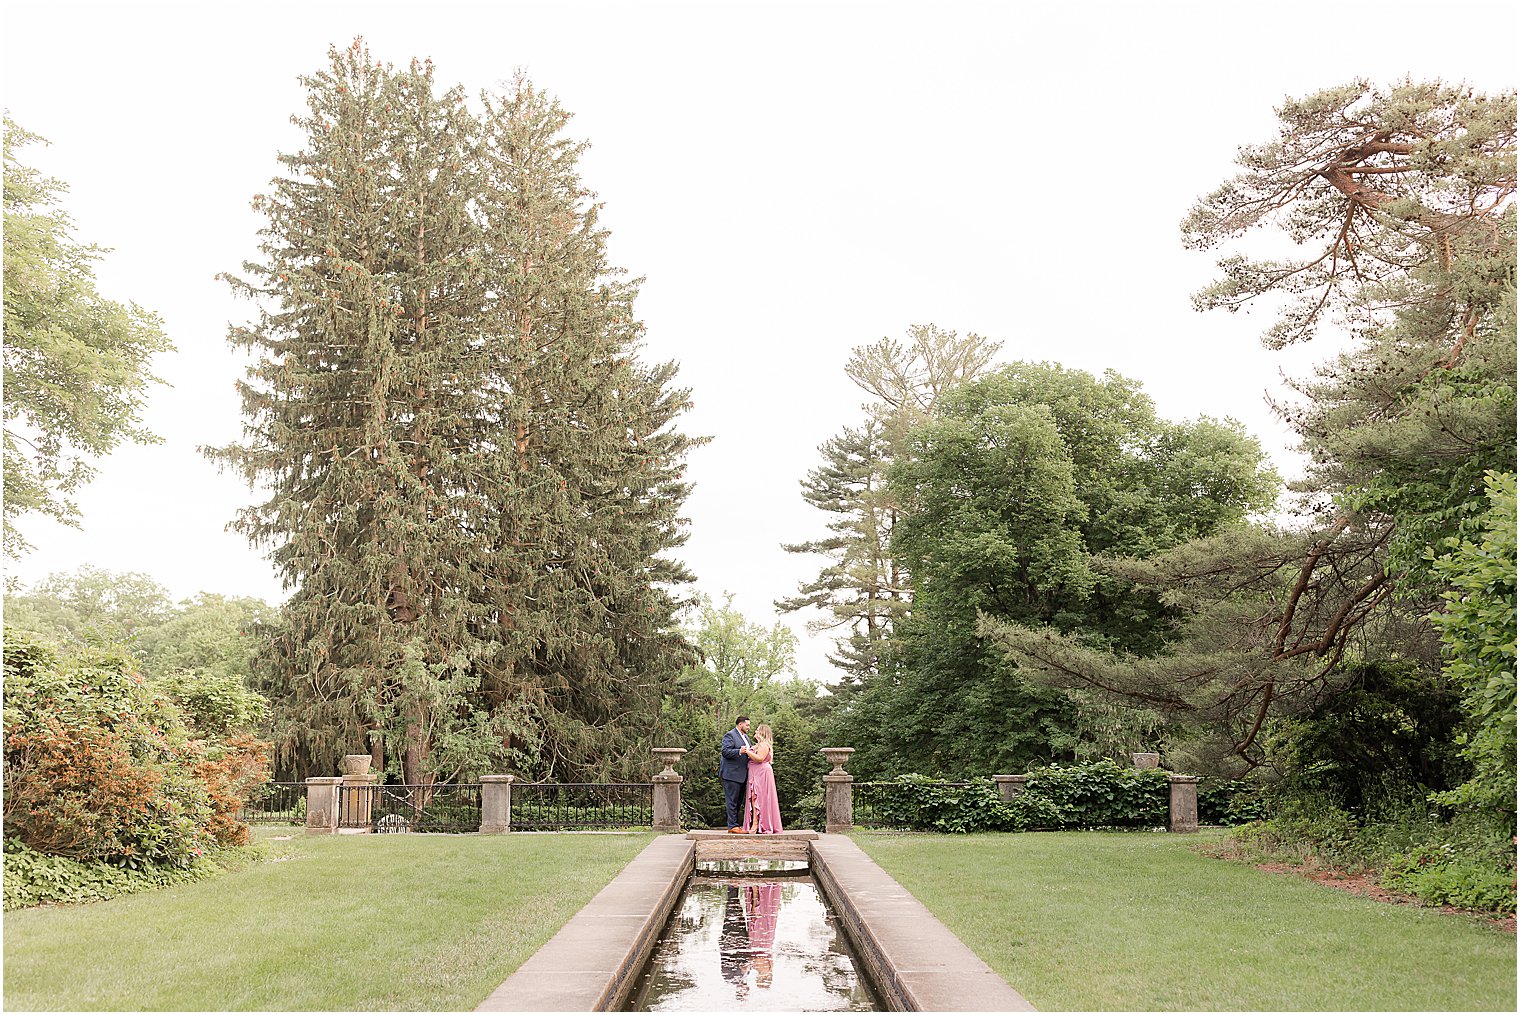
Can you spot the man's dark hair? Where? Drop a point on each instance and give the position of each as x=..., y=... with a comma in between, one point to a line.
x=740, y=719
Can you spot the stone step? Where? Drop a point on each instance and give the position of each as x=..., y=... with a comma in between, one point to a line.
x=721, y=845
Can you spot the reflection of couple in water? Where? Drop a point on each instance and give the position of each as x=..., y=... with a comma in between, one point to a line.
x=749, y=934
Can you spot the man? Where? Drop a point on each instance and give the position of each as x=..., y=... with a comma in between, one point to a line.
x=733, y=769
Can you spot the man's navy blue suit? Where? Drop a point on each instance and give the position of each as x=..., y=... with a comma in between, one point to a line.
x=734, y=771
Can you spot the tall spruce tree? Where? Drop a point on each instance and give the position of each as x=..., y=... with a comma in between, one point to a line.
x=589, y=464
x=471, y=476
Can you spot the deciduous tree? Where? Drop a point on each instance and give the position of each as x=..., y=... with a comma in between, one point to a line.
x=77, y=365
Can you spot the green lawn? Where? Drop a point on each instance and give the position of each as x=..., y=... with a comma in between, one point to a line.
x=351, y=922
x=1137, y=921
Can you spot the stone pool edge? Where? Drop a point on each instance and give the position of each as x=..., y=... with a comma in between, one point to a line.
x=914, y=961
x=591, y=964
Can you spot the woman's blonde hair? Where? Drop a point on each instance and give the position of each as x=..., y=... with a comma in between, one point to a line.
x=763, y=732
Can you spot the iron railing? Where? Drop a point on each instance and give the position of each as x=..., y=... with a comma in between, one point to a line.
x=440, y=807
x=543, y=806
x=890, y=805
x=275, y=803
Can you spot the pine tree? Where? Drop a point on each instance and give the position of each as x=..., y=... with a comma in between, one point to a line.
x=863, y=591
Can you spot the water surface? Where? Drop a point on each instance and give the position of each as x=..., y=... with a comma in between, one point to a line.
x=751, y=942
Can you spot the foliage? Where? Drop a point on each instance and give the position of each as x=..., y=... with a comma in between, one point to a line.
x=97, y=765
x=33, y=878
x=1101, y=794
x=214, y=704
x=746, y=669
x=209, y=634
x=76, y=364
x=91, y=606
x=1478, y=635
x=1230, y=802
x=1007, y=493
x=100, y=765
x=1403, y=198
x=1386, y=735
x=1097, y=795
x=232, y=771
x=471, y=478
x=1467, y=862
x=863, y=593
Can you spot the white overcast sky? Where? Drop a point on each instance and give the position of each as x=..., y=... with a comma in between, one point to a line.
x=792, y=179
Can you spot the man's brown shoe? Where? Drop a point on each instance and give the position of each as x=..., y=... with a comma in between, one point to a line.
x=736, y=831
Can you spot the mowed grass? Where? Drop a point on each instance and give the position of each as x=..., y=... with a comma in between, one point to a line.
x=337, y=923
x=1138, y=921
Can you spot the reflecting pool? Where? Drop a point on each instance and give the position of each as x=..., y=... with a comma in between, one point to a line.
x=752, y=940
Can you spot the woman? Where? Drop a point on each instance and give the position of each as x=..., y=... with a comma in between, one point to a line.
x=762, y=811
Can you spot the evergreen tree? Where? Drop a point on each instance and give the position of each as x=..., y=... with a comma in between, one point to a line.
x=357, y=402
x=1404, y=199
x=472, y=476
x=588, y=463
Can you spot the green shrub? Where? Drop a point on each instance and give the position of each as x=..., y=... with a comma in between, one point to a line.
x=33, y=878
x=98, y=765
x=1467, y=862
x=1230, y=802
x=1102, y=794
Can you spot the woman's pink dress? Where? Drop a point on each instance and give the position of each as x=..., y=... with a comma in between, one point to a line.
x=762, y=812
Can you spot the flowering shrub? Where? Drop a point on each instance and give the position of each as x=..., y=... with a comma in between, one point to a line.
x=100, y=766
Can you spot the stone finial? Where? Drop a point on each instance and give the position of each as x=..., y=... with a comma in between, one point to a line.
x=669, y=757
x=837, y=757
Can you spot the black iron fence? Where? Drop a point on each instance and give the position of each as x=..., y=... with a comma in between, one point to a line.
x=440, y=807
x=891, y=805
x=544, y=806
x=275, y=803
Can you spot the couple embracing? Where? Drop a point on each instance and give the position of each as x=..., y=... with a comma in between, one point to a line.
x=749, y=783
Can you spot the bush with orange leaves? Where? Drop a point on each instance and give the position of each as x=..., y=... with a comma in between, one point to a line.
x=99, y=766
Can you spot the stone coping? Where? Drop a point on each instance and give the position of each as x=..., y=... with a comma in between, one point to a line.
x=701, y=834
x=915, y=962
x=592, y=963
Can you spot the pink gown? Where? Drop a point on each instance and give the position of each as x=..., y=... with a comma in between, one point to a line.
x=762, y=811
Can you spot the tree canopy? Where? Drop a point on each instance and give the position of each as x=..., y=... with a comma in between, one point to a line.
x=472, y=478
x=1007, y=494
x=77, y=365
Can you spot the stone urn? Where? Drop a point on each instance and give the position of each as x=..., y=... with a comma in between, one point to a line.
x=837, y=756
x=668, y=756
x=356, y=764
x=1147, y=760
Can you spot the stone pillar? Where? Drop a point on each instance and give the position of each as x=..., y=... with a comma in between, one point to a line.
x=1184, y=806
x=496, y=803
x=667, y=790
x=322, y=805
x=1146, y=760
x=1010, y=786
x=838, y=798
x=357, y=800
